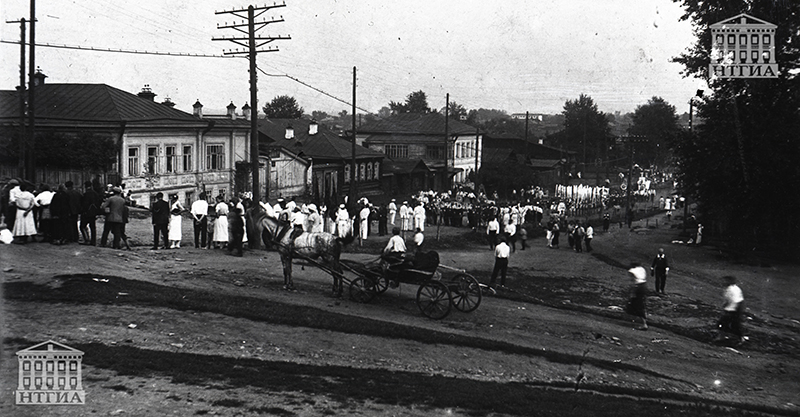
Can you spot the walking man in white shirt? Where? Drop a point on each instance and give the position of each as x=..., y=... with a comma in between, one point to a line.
x=731, y=320
x=501, y=252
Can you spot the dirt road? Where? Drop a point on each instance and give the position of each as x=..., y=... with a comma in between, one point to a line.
x=198, y=332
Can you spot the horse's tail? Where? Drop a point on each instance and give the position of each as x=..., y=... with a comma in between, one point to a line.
x=349, y=238
x=253, y=236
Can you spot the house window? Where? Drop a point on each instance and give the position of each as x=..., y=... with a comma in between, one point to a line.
x=765, y=39
x=347, y=173
x=369, y=171
x=396, y=151
x=152, y=159
x=754, y=39
x=172, y=158
x=187, y=158
x=133, y=162
x=377, y=171
x=731, y=39
x=434, y=152
x=743, y=40
x=215, y=157
x=743, y=57
x=361, y=172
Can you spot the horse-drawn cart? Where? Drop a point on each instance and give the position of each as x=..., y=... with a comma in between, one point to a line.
x=441, y=287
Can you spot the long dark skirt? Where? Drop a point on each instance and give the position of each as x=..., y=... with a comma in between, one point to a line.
x=636, y=305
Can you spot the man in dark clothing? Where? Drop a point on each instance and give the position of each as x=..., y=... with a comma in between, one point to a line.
x=606, y=222
x=90, y=207
x=59, y=210
x=382, y=220
x=74, y=211
x=659, y=269
x=114, y=207
x=160, y=209
x=236, y=224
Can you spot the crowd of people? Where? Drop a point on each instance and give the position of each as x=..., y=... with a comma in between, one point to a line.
x=67, y=214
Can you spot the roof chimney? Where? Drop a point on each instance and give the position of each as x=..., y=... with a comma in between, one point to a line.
x=146, y=93
x=38, y=78
x=289, y=132
x=246, y=111
x=231, y=110
x=168, y=102
x=197, y=109
x=313, y=127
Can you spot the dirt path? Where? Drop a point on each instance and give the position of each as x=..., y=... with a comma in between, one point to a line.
x=216, y=334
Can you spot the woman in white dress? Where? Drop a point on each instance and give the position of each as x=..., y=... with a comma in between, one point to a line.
x=221, y=224
x=25, y=225
x=175, y=219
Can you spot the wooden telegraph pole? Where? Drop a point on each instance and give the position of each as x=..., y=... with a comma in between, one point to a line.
x=22, y=102
x=252, y=43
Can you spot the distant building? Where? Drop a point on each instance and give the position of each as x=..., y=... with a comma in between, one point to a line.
x=327, y=178
x=421, y=137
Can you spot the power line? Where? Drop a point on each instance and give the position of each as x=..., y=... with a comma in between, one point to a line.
x=313, y=88
x=124, y=51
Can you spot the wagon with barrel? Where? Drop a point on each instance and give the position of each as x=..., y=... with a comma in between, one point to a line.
x=440, y=288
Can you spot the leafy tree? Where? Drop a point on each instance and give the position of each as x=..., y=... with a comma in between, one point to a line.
x=586, y=130
x=657, y=121
x=283, y=107
x=416, y=102
x=83, y=150
x=384, y=112
x=319, y=115
x=456, y=111
x=741, y=164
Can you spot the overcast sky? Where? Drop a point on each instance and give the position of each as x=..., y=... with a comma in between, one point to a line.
x=514, y=55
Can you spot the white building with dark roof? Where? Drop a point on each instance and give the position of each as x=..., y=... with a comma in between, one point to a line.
x=161, y=149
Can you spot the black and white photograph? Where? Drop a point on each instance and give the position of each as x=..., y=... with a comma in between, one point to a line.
x=414, y=208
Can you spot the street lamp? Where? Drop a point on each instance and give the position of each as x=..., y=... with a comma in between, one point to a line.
x=691, y=110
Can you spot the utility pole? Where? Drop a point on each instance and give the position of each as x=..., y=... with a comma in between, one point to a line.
x=477, y=135
x=252, y=43
x=353, y=195
x=446, y=178
x=526, y=137
x=21, y=172
x=30, y=167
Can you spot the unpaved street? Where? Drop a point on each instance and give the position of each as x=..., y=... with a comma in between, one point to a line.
x=194, y=332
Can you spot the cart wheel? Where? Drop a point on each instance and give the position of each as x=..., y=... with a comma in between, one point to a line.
x=381, y=284
x=466, y=293
x=433, y=300
x=362, y=290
